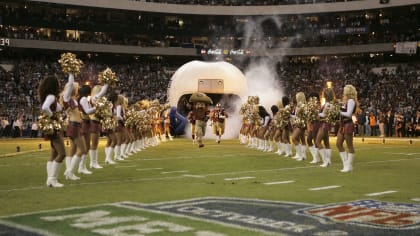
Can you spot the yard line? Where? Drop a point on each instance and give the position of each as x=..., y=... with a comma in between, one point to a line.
x=240, y=178
x=380, y=193
x=280, y=182
x=194, y=176
x=325, y=187
x=177, y=171
x=415, y=199
x=149, y=169
x=119, y=166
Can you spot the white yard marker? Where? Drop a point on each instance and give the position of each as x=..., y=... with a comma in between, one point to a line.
x=194, y=176
x=240, y=178
x=324, y=188
x=149, y=169
x=280, y=182
x=380, y=193
x=120, y=166
x=178, y=171
x=415, y=199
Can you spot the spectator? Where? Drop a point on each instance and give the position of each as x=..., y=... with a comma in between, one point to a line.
x=34, y=129
x=18, y=127
x=361, y=120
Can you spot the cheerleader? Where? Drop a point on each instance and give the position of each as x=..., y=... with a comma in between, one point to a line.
x=118, y=112
x=74, y=128
x=48, y=92
x=109, y=129
x=95, y=124
x=345, y=132
x=322, y=140
x=264, y=121
x=313, y=126
x=86, y=109
x=285, y=133
x=299, y=127
x=272, y=129
x=277, y=122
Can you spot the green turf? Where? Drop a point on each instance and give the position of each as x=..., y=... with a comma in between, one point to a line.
x=177, y=169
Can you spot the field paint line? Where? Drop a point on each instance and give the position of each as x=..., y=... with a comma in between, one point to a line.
x=176, y=171
x=195, y=218
x=380, y=193
x=195, y=176
x=240, y=178
x=325, y=187
x=145, y=169
x=280, y=182
x=122, y=166
x=403, y=153
x=415, y=199
x=26, y=228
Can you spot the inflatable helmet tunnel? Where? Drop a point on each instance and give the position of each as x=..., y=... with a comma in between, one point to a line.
x=221, y=81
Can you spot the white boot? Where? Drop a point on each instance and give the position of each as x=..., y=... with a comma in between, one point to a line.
x=143, y=143
x=325, y=161
x=314, y=153
x=95, y=160
x=343, y=156
x=52, y=179
x=278, y=148
x=265, y=145
x=348, y=166
x=270, y=146
x=69, y=174
x=350, y=159
x=68, y=162
x=302, y=152
x=128, y=151
x=108, y=155
x=260, y=144
x=288, y=148
x=82, y=166
x=49, y=172
x=328, y=152
x=117, y=156
x=123, y=150
x=297, y=155
x=282, y=148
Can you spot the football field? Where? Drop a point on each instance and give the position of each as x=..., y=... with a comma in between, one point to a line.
x=176, y=188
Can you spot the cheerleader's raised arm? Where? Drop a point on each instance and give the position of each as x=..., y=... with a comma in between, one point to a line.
x=68, y=88
x=101, y=93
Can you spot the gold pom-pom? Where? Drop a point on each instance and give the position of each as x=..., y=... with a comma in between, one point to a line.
x=283, y=117
x=109, y=123
x=70, y=64
x=312, y=109
x=50, y=125
x=333, y=112
x=103, y=108
x=300, y=117
x=107, y=76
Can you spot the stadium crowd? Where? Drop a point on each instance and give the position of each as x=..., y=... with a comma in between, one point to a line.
x=141, y=29
x=376, y=86
x=244, y=2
